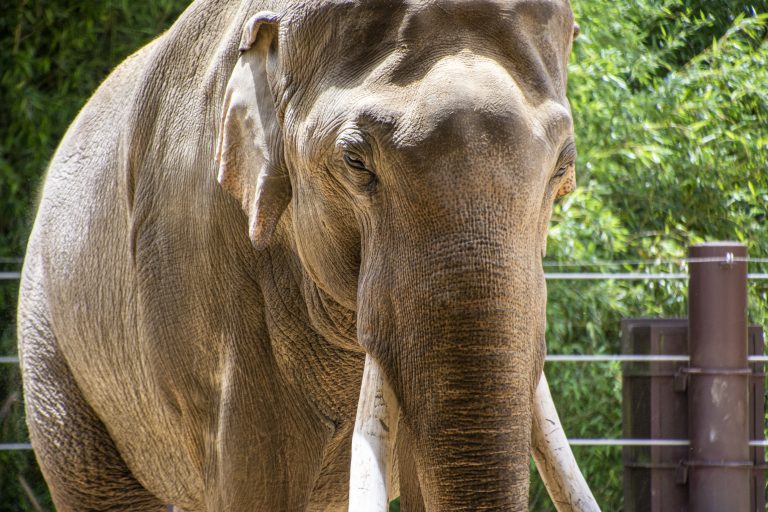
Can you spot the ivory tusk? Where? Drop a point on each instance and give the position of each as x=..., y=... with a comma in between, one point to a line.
x=554, y=458
x=372, y=442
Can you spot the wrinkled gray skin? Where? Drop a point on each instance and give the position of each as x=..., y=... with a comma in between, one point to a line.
x=193, y=320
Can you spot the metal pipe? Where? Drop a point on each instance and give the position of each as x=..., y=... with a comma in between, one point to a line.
x=719, y=464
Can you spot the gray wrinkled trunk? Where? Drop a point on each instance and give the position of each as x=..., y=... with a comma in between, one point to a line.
x=464, y=358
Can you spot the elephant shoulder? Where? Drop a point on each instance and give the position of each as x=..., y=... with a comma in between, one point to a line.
x=81, y=197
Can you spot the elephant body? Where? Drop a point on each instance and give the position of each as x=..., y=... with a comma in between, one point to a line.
x=184, y=340
x=180, y=359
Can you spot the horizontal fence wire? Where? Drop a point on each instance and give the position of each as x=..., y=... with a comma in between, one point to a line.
x=655, y=263
x=561, y=276
x=622, y=276
x=606, y=358
x=645, y=442
x=641, y=276
x=632, y=358
x=630, y=276
x=12, y=447
x=629, y=442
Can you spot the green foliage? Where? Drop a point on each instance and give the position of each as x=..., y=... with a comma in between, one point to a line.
x=671, y=112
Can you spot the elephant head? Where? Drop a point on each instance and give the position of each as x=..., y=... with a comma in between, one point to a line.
x=417, y=149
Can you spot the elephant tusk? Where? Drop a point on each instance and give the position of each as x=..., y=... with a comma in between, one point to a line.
x=372, y=442
x=554, y=458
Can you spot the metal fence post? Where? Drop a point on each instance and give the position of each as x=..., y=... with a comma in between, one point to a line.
x=720, y=464
x=654, y=408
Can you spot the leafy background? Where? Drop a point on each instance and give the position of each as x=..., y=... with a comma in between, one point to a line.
x=670, y=101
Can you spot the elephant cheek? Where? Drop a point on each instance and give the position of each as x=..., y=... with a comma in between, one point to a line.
x=329, y=248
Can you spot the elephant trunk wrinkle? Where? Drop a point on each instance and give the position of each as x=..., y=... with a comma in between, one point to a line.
x=467, y=405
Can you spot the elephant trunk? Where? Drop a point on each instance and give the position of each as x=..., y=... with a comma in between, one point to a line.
x=460, y=341
x=470, y=421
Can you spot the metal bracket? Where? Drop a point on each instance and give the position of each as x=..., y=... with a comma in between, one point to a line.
x=729, y=260
x=720, y=463
x=682, y=374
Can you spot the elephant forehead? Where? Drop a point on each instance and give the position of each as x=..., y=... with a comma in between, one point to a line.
x=344, y=43
x=463, y=92
x=463, y=99
x=530, y=39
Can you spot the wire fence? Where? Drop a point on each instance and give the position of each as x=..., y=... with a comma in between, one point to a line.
x=568, y=358
x=559, y=276
x=581, y=276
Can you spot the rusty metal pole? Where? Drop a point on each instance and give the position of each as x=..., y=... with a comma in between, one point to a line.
x=719, y=465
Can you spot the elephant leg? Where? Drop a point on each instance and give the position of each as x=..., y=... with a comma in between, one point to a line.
x=81, y=465
x=270, y=441
x=410, y=490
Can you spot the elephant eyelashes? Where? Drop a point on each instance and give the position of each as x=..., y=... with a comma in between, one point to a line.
x=360, y=171
x=354, y=162
x=566, y=159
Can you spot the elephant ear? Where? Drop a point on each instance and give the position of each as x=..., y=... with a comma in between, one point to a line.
x=250, y=147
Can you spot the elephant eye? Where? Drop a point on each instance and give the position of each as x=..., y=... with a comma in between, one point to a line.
x=364, y=177
x=561, y=171
x=566, y=159
x=354, y=161
x=352, y=144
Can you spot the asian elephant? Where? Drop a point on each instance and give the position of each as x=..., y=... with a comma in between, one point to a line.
x=272, y=196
